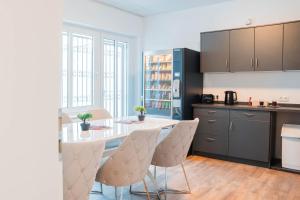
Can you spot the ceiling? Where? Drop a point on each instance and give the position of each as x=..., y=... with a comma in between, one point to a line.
x=153, y=7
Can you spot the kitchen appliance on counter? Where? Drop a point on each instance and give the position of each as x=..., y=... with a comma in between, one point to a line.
x=172, y=82
x=230, y=98
x=206, y=98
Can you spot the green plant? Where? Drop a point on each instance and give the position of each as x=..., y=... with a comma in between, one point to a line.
x=140, y=109
x=84, y=116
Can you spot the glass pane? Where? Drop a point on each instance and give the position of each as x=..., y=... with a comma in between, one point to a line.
x=115, y=77
x=157, y=85
x=109, y=72
x=64, y=88
x=122, y=79
x=82, y=70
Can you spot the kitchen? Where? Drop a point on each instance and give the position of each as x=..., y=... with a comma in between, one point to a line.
x=154, y=99
x=232, y=129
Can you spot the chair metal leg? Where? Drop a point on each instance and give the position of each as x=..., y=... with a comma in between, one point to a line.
x=146, y=189
x=98, y=192
x=172, y=191
x=157, y=190
x=166, y=179
x=166, y=184
x=101, y=188
x=154, y=172
x=186, y=179
x=116, y=193
x=154, y=182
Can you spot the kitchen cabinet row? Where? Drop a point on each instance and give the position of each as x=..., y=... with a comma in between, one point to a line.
x=264, y=48
x=241, y=134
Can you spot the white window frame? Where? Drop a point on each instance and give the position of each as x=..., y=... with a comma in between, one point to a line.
x=98, y=44
x=116, y=38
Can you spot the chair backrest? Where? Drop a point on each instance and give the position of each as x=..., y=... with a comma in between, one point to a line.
x=174, y=148
x=80, y=164
x=100, y=113
x=130, y=162
x=65, y=119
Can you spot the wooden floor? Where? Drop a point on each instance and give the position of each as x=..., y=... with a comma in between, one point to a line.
x=212, y=179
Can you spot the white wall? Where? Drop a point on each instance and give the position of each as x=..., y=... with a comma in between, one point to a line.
x=90, y=13
x=29, y=63
x=182, y=29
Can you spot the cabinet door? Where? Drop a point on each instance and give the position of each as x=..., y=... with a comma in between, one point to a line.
x=268, y=48
x=242, y=50
x=212, y=132
x=291, y=46
x=249, y=136
x=215, y=52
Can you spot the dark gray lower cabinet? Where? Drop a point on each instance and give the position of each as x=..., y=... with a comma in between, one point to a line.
x=212, y=132
x=236, y=133
x=249, y=135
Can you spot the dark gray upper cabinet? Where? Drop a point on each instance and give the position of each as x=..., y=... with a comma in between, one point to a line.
x=242, y=50
x=291, y=46
x=268, y=48
x=249, y=134
x=215, y=51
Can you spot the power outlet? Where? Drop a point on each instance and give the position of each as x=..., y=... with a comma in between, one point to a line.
x=284, y=99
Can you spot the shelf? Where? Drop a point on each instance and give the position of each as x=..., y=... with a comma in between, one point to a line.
x=160, y=90
x=157, y=80
x=157, y=100
x=158, y=70
x=163, y=62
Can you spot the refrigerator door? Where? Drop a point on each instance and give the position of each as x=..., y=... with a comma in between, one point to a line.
x=178, y=84
x=158, y=67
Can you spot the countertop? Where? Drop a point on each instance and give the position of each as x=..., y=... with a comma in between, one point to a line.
x=280, y=108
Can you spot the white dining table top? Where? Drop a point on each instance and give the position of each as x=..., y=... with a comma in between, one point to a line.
x=116, y=128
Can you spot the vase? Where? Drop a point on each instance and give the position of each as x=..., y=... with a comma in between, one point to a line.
x=85, y=126
x=141, y=117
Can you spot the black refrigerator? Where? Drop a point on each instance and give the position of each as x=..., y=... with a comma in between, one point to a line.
x=172, y=82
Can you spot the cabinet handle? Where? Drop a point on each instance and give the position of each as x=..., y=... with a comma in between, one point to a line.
x=249, y=115
x=252, y=63
x=230, y=126
x=212, y=112
x=256, y=62
x=212, y=121
x=210, y=139
x=227, y=64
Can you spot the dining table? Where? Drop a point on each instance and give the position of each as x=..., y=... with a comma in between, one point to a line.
x=111, y=129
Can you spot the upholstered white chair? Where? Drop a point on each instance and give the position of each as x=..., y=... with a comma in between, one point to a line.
x=65, y=119
x=100, y=113
x=80, y=164
x=130, y=162
x=173, y=149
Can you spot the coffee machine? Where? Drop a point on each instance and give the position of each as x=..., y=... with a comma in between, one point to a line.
x=230, y=98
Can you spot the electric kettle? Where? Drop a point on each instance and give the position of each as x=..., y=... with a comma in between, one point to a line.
x=230, y=98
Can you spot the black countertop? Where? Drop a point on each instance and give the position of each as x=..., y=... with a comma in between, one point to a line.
x=281, y=108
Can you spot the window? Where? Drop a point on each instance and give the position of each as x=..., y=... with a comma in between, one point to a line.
x=94, y=70
x=82, y=70
x=77, y=70
x=115, y=76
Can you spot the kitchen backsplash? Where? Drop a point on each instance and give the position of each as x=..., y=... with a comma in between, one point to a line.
x=283, y=87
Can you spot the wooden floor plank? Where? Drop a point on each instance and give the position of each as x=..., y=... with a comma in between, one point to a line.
x=212, y=179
